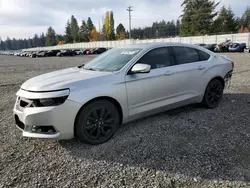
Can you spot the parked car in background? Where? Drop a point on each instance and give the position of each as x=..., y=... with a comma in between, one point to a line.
x=51, y=53
x=23, y=54
x=200, y=44
x=99, y=50
x=247, y=49
x=237, y=47
x=78, y=51
x=223, y=47
x=40, y=54
x=210, y=47
x=91, y=101
x=32, y=55
x=86, y=51
x=66, y=53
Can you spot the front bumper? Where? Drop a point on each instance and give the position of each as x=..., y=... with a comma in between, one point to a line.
x=60, y=118
x=227, y=79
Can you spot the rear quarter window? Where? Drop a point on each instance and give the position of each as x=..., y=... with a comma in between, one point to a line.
x=203, y=55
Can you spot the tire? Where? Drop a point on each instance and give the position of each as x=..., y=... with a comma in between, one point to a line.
x=213, y=94
x=97, y=122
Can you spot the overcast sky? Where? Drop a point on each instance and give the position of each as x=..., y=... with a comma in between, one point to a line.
x=23, y=18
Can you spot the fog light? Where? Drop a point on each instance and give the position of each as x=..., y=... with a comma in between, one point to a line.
x=43, y=129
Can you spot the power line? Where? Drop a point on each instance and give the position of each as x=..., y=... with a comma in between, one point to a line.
x=129, y=9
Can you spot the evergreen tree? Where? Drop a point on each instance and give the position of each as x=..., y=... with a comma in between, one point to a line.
x=197, y=17
x=74, y=29
x=245, y=19
x=90, y=25
x=59, y=38
x=14, y=44
x=50, y=37
x=30, y=43
x=68, y=36
x=178, y=27
x=35, y=40
x=42, y=40
x=225, y=22
x=112, y=27
x=120, y=32
x=83, y=33
x=8, y=44
x=2, y=46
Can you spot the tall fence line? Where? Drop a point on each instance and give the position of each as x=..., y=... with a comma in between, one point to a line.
x=211, y=39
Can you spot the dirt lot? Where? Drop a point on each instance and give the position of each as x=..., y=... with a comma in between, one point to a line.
x=187, y=147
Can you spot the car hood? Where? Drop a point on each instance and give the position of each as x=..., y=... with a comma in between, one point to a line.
x=61, y=79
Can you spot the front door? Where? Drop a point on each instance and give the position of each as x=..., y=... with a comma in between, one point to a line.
x=149, y=91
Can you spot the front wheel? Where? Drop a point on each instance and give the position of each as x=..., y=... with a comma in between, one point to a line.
x=97, y=122
x=213, y=94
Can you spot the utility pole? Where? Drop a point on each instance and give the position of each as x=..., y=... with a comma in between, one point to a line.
x=129, y=9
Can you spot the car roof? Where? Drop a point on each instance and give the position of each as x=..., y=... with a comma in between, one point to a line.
x=148, y=46
x=158, y=44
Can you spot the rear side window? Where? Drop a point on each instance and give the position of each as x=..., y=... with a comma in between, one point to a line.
x=185, y=55
x=203, y=55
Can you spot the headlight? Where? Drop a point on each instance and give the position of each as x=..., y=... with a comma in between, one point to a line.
x=49, y=101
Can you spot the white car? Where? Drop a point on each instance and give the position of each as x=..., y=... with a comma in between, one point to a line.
x=78, y=52
x=91, y=101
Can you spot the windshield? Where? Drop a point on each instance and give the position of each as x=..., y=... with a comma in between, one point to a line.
x=112, y=60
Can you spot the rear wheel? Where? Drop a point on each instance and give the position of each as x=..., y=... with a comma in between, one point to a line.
x=213, y=94
x=97, y=122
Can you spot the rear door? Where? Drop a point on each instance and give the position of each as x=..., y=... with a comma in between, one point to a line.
x=190, y=66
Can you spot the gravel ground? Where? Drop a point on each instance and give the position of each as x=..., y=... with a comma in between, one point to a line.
x=186, y=147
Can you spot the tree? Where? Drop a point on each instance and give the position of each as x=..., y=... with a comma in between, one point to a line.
x=178, y=27
x=74, y=29
x=83, y=33
x=106, y=27
x=245, y=19
x=2, y=46
x=50, y=37
x=59, y=39
x=68, y=36
x=94, y=35
x=112, y=27
x=90, y=25
x=42, y=40
x=36, y=40
x=197, y=17
x=30, y=43
x=120, y=32
x=8, y=44
x=225, y=22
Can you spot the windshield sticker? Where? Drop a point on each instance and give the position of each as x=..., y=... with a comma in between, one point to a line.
x=130, y=52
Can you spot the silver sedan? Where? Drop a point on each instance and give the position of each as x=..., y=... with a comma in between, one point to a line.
x=91, y=101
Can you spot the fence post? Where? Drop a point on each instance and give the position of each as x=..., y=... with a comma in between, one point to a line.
x=248, y=40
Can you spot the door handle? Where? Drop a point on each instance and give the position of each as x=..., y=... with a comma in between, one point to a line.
x=169, y=73
x=201, y=68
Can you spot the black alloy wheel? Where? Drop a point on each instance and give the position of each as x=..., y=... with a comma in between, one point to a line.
x=213, y=94
x=97, y=122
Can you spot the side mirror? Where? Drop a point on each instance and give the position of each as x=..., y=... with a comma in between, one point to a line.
x=140, y=68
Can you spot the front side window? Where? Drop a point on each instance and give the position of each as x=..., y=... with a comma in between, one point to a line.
x=157, y=58
x=112, y=60
x=185, y=55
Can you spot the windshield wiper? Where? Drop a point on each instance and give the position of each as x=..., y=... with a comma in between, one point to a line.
x=90, y=69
